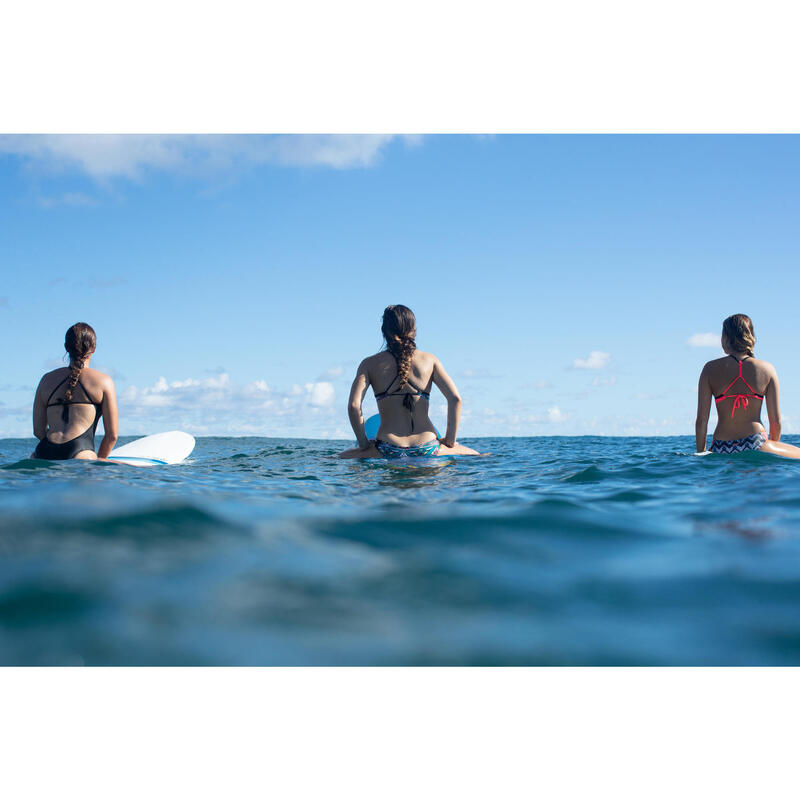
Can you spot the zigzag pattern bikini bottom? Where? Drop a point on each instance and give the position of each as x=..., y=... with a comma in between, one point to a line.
x=388, y=450
x=754, y=442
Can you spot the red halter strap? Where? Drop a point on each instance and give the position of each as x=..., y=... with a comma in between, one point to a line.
x=739, y=400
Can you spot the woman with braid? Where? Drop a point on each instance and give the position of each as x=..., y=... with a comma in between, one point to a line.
x=70, y=401
x=405, y=376
x=739, y=383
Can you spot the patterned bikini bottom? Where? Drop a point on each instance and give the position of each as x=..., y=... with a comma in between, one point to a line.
x=754, y=442
x=388, y=450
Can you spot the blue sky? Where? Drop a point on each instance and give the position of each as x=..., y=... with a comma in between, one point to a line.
x=236, y=282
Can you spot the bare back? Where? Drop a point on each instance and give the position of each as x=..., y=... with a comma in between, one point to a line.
x=403, y=422
x=738, y=388
x=84, y=408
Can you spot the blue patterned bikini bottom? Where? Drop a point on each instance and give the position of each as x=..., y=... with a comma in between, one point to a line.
x=388, y=450
x=754, y=442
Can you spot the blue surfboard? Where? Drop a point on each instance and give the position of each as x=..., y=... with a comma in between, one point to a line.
x=374, y=422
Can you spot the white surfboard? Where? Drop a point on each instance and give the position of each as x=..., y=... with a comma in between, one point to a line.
x=161, y=448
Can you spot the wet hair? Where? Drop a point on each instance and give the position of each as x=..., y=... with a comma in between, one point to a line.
x=398, y=329
x=738, y=328
x=80, y=342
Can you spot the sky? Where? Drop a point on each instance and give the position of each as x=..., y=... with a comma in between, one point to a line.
x=569, y=284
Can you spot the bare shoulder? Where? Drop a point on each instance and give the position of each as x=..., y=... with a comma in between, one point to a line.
x=376, y=360
x=715, y=367
x=50, y=379
x=425, y=358
x=764, y=366
x=56, y=374
x=96, y=379
x=716, y=362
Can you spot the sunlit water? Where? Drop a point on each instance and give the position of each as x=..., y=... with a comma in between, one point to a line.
x=267, y=551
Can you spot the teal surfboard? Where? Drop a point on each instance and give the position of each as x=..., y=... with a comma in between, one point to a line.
x=374, y=422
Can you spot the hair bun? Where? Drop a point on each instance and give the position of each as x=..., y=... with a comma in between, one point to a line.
x=738, y=329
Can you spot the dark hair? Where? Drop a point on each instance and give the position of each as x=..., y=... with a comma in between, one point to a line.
x=398, y=328
x=80, y=342
x=738, y=328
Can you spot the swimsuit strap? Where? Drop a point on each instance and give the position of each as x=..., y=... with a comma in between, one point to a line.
x=739, y=400
x=55, y=390
x=64, y=401
x=88, y=396
x=408, y=397
x=65, y=404
x=409, y=382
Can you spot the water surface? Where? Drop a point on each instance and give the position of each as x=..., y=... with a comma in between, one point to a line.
x=551, y=551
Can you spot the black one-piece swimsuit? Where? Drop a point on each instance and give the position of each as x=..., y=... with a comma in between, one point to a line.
x=84, y=441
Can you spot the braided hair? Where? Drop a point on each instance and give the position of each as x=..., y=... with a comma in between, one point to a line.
x=398, y=328
x=80, y=342
x=738, y=328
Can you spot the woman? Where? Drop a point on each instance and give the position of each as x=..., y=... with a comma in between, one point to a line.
x=739, y=383
x=404, y=375
x=70, y=401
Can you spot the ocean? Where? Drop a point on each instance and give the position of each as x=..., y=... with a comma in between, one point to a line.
x=547, y=551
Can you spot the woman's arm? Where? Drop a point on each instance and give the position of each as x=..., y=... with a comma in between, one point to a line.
x=446, y=386
x=357, y=392
x=703, y=410
x=773, y=407
x=39, y=413
x=110, y=420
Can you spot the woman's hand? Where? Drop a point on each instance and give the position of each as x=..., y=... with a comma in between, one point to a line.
x=448, y=441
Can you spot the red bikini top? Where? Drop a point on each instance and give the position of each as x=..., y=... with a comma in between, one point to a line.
x=739, y=400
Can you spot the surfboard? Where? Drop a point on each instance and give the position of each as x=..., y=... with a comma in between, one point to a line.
x=171, y=447
x=374, y=422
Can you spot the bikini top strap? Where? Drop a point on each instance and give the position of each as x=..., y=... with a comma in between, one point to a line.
x=417, y=388
x=385, y=392
x=409, y=382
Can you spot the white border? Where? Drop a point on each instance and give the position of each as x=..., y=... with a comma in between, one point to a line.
x=416, y=67
x=398, y=733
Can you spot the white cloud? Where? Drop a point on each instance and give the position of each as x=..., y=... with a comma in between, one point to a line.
x=320, y=394
x=217, y=406
x=256, y=388
x=554, y=414
x=703, y=340
x=607, y=381
x=596, y=360
x=115, y=155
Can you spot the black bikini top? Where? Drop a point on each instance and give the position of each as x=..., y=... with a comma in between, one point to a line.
x=409, y=398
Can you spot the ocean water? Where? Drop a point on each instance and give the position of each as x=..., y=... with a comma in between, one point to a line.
x=548, y=551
